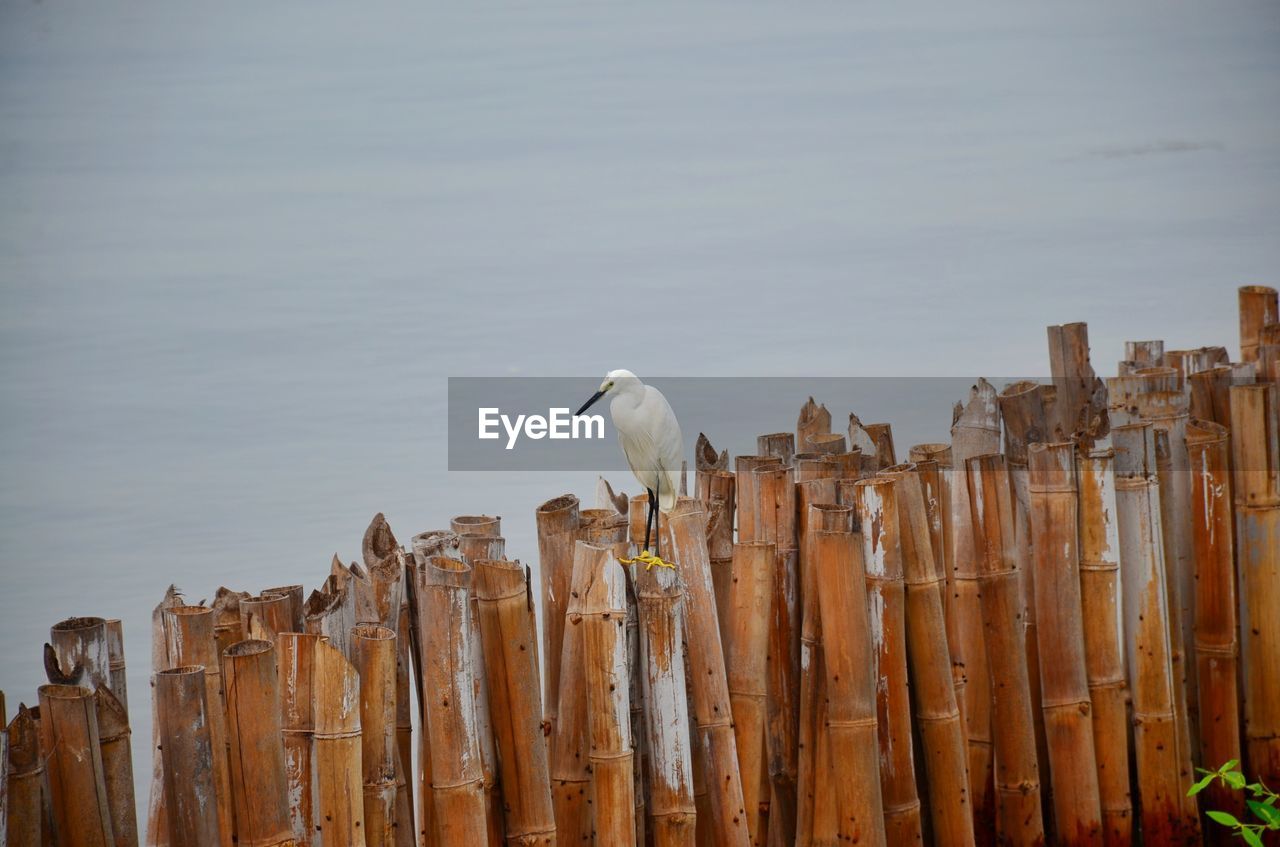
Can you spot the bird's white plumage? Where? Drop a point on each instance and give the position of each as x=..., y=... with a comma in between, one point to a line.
x=648, y=432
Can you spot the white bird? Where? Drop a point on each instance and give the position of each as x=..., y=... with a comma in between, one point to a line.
x=650, y=437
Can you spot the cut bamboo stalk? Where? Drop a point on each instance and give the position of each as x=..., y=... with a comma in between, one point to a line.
x=373, y=654
x=929, y=660
x=1255, y=440
x=1102, y=610
x=937, y=502
x=265, y=615
x=115, y=659
x=702, y=835
x=1163, y=765
x=716, y=492
x=671, y=807
x=745, y=492
x=1081, y=408
x=814, y=420
x=1268, y=365
x=295, y=595
x=157, y=831
x=826, y=443
x=487, y=525
x=1217, y=643
x=336, y=759
x=780, y=445
x=710, y=688
x=705, y=458
x=183, y=716
x=117, y=767
x=1258, y=307
x=297, y=651
x=851, y=701
x=69, y=737
x=1210, y=394
x=1064, y=682
x=331, y=611
x=1188, y=362
x=1141, y=354
x=746, y=649
x=812, y=791
x=4, y=772
x=258, y=785
x=877, y=512
x=881, y=435
x=571, y=789
x=975, y=431
x=78, y=653
x=456, y=770
x=557, y=521
x=511, y=661
x=639, y=714
x=226, y=620
x=810, y=466
x=604, y=642
x=26, y=779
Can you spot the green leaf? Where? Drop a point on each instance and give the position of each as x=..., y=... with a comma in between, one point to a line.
x=1264, y=813
x=1251, y=838
x=1224, y=818
x=1201, y=785
x=1234, y=778
x=1229, y=766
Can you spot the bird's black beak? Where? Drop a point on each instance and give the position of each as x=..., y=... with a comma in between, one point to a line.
x=589, y=403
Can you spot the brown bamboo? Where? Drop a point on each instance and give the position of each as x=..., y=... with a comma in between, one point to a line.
x=188, y=640
x=1255, y=441
x=557, y=521
x=258, y=785
x=929, y=661
x=373, y=655
x=604, y=649
x=226, y=618
x=157, y=831
x=814, y=420
x=1163, y=765
x=1258, y=307
x=1017, y=777
x=851, y=700
x=4, y=772
x=1267, y=367
x=78, y=653
x=781, y=445
x=1064, y=682
x=295, y=597
x=882, y=435
x=488, y=525
x=826, y=443
x=264, y=615
x=1141, y=354
x=337, y=766
x=710, y=689
x=26, y=825
x=1101, y=608
x=511, y=660
x=1217, y=643
x=115, y=660
x=716, y=491
x=877, y=512
x=569, y=763
x=639, y=715
x=746, y=649
x=1081, y=408
x=811, y=466
x=183, y=716
x=671, y=806
x=812, y=792
x=297, y=652
x=117, y=767
x=1210, y=393
x=332, y=610
x=69, y=739
x=456, y=770
x=1188, y=362
x=745, y=491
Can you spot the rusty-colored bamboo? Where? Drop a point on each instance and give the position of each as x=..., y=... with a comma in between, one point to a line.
x=1210, y=394
x=373, y=654
x=814, y=419
x=25, y=780
x=1017, y=777
x=115, y=660
x=295, y=596
x=1258, y=307
x=1101, y=609
x=1255, y=441
x=264, y=615
x=69, y=739
x=336, y=741
x=78, y=649
x=745, y=492
x=1163, y=765
x=557, y=522
x=226, y=618
x=185, y=743
x=1064, y=682
x=826, y=443
x=716, y=491
x=570, y=763
x=258, y=785
x=877, y=512
x=117, y=766
x=157, y=832
x=1141, y=354
x=929, y=660
x=1080, y=410
x=297, y=652
x=781, y=445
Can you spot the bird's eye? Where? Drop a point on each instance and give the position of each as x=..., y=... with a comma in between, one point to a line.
x=608, y=385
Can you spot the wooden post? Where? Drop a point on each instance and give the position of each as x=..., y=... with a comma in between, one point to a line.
x=1255, y=441
x=297, y=651
x=1102, y=611
x=780, y=445
x=336, y=759
x=115, y=660
x=1258, y=307
x=69, y=735
x=1081, y=409
x=877, y=513
x=814, y=420
x=295, y=596
x=264, y=615
x=716, y=491
x=258, y=783
x=183, y=716
x=1017, y=775
x=557, y=521
x=570, y=763
x=511, y=661
x=373, y=654
x=79, y=653
x=710, y=688
x=1163, y=764
x=1217, y=644
x=26, y=825
x=117, y=766
x=745, y=492
x=1064, y=682
x=157, y=831
x=1141, y=354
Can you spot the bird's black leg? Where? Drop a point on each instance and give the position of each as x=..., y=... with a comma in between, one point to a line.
x=657, y=519
x=648, y=519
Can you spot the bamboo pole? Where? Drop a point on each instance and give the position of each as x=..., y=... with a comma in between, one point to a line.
x=671, y=807
x=812, y=792
x=258, y=783
x=929, y=660
x=604, y=648
x=77, y=653
x=331, y=611
x=710, y=688
x=1101, y=608
x=851, y=700
x=780, y=445
x=1188, y=362
x=511, y=660
x=1258, y=307
x=226, y=620
x=157, y=831
x=811, y=466
x=1064, y=682
x=117, y=766
x=716, y=491
x=557, y=521
x=1141, y=354
x=745, y=492
x=69, y=739
x=183, y=716
x=26, y=779
x=1217, y=643
x=826, y=443
x=570, y=764
x=297, y=651
x=337, y=766
x=486, y=525
x=1017, y=774
x=877, y=512
x=264, y=615
x=4, y=772
x=1210, y=393
x=1255, y=441
x=115, y=660
x=1081, y=408
x=1163, y=764
x=814, y=420
x=746, y=649
x=456, y=770
x=373, y=654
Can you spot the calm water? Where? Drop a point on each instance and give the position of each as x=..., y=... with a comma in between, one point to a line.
x=241, y=248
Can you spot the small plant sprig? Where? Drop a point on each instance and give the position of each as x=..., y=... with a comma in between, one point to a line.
x=1263, y=804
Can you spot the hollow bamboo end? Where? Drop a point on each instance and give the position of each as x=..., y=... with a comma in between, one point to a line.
x=250, y=647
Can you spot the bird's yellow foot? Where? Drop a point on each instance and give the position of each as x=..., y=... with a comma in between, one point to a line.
x=649, y=560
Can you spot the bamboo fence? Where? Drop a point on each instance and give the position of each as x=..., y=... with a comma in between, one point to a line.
x=182, y=712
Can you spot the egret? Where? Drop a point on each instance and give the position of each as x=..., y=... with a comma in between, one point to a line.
x=650, y=437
